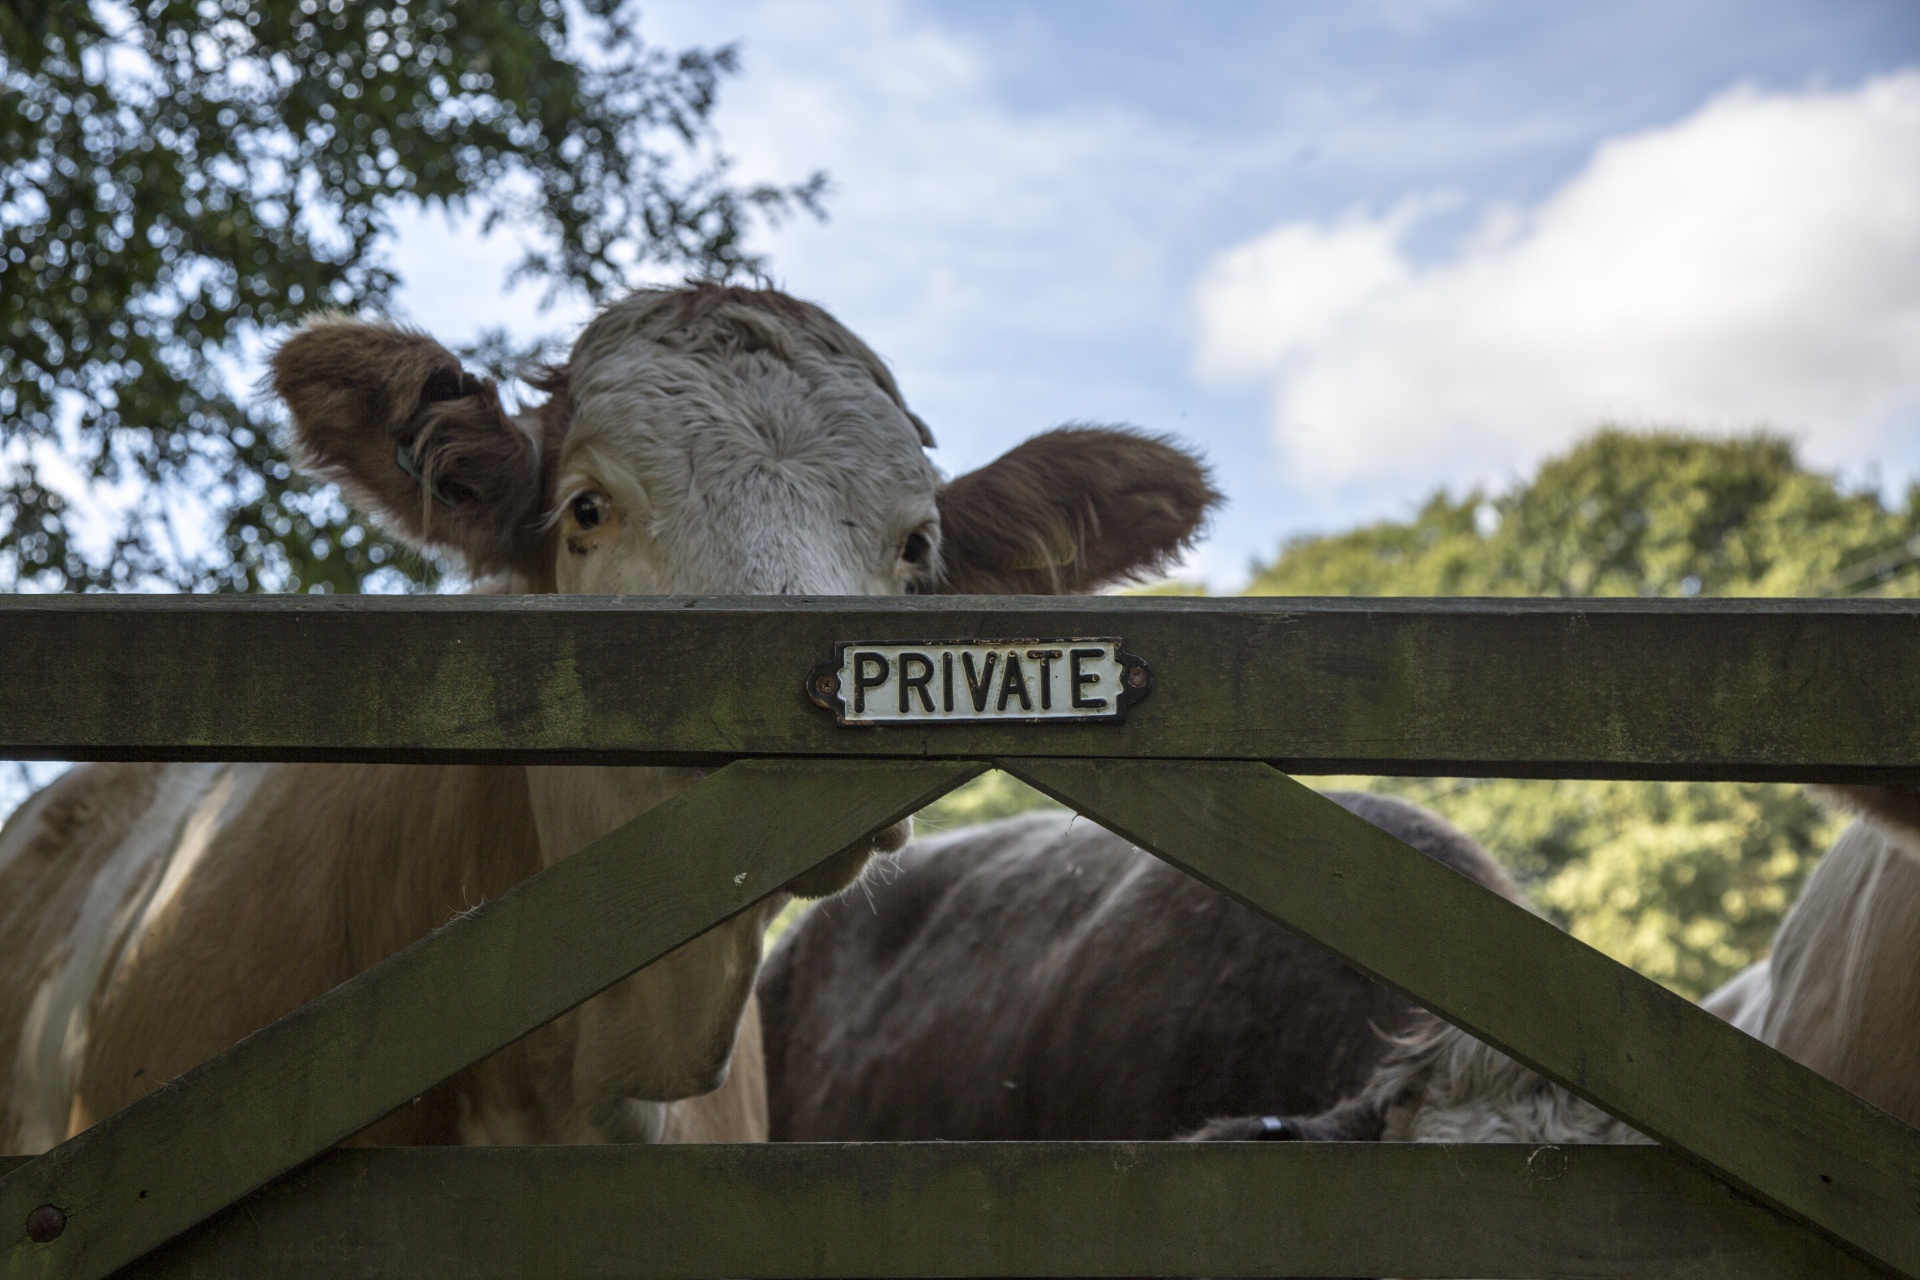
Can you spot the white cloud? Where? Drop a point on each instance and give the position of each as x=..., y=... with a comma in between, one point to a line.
x=973, y=236
x=966, y=233
x=1756, y=263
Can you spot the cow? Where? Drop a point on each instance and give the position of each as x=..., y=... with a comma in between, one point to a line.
x=704, y=440
x=1436, y=1083
x=1842, y=987
x=1840, y=993
x=1041, y=978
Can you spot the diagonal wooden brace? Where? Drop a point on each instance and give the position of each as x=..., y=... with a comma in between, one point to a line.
x=291, y=1091
x=1778, y=1131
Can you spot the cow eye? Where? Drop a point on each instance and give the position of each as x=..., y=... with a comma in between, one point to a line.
x=914, y=550
x=589, y=509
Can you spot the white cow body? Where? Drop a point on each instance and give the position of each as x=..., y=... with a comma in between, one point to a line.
x=1843, y=982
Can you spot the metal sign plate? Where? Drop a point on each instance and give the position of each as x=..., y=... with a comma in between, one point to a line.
x=888, y=682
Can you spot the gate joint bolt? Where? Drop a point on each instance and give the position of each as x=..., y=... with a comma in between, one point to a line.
x=46, y=1223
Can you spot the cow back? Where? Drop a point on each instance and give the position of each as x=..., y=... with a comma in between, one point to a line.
x=1041, y=978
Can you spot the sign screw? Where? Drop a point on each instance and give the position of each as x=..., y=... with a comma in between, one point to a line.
x=46, y=1223
x=1136, y=677
x=826, y=685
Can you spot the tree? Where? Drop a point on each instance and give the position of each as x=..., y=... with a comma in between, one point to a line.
x=1622, y=513
x=1686, y=882
x=181, y=179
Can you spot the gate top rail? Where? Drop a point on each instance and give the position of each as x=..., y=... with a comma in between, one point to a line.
x=1744, y=689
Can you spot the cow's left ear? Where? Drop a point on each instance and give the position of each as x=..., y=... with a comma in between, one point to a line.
x=1071, y=511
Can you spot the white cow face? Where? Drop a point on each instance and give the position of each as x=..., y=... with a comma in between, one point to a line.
x=719, y=441
x=768, y=467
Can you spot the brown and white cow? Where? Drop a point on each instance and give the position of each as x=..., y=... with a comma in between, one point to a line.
x=1839, y=993
x=702, y=440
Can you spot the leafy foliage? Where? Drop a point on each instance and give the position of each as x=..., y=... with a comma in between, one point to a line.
x=1623, y=514
x=1686, y=882
x=991, y=796
x=181, y=178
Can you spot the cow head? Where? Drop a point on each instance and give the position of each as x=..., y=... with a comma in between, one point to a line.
x=723, y=441
x=719, y=441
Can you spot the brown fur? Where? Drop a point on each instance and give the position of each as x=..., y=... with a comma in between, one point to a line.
x=362, y=860
x=1042, y=979
x=1072, y=510
x=1896, y=806
x=71, y=828
x=361, y=392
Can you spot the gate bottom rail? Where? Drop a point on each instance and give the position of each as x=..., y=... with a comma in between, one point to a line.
x=1087, y=1209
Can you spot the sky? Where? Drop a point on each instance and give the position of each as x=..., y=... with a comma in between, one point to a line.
x=1352, y=252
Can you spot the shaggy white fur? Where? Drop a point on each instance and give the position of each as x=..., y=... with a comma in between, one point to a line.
x=1840, y=993
x=741, y=456
x=1441, y=1085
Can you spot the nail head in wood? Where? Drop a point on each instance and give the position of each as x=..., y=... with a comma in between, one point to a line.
x=46, y=1223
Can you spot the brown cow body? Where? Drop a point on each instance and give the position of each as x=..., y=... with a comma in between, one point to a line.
x=1040, y=978
x=233, y=894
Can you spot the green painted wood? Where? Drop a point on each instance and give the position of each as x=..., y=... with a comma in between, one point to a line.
x=291, y=1091
x=1675, y=1072
x=1809, y=690
x=828, y=1212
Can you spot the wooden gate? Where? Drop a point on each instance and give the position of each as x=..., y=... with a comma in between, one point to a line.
x=1766, y=1169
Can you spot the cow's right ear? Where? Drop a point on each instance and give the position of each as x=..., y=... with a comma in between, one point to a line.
x=413, y=438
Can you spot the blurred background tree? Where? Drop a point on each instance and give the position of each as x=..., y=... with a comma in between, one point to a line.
x=180, y=179
x=1627, y=514
x=1685, y=881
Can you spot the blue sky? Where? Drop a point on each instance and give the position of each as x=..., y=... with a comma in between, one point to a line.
x=1353, y=251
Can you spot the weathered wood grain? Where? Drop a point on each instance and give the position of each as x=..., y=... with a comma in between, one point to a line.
x=1675, y=1072
x=1804, y=690
x=828, y=1212
x=291, y=1091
